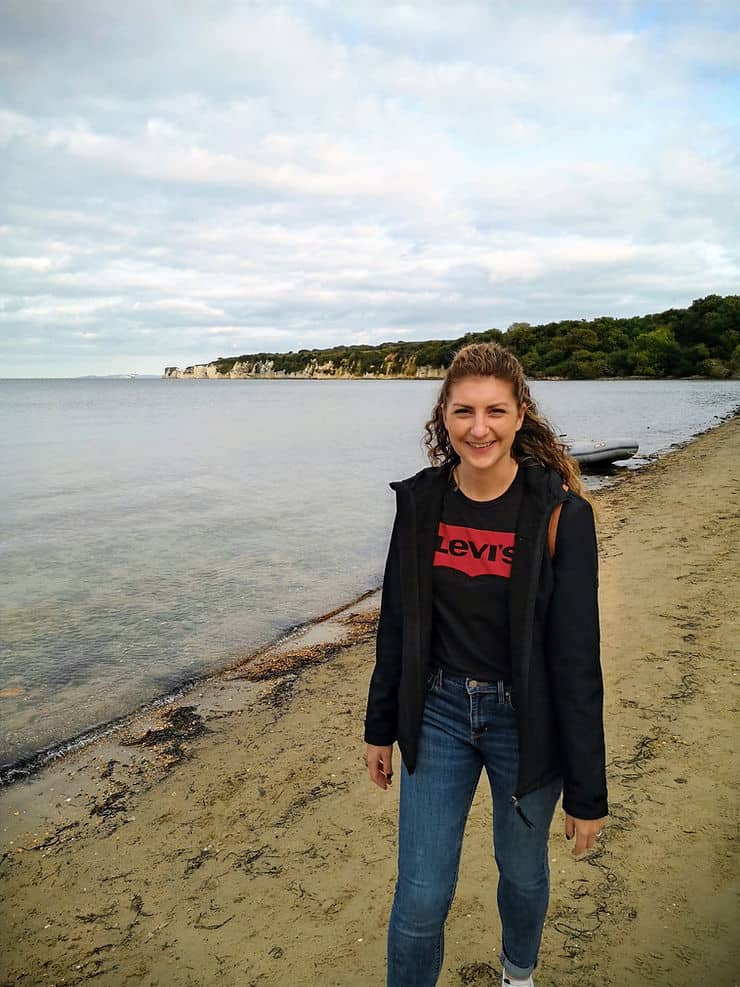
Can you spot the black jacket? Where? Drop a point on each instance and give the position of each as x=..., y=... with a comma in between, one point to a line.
x=557, y=689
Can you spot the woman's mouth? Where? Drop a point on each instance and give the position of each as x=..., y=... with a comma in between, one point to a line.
x=480, y=445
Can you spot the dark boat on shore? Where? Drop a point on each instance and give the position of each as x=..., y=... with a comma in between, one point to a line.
x=602, y=453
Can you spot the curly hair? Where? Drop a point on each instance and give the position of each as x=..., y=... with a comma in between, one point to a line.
x=535, y=442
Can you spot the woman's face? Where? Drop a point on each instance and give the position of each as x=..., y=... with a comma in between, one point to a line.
x=482, y=418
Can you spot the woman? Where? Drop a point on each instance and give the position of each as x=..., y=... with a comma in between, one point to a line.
x=487, y=656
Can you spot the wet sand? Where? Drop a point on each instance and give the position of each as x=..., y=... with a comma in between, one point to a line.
x=235, y=838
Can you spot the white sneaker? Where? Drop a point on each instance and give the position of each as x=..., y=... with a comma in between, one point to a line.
x=508, y=981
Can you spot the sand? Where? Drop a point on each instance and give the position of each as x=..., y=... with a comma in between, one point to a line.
x=236, y=838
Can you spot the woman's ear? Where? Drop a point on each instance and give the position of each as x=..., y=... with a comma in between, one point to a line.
x=520, y=419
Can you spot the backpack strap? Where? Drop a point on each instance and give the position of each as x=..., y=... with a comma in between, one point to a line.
x=552, y=527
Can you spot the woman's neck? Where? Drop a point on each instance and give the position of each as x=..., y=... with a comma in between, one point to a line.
x=485, y=485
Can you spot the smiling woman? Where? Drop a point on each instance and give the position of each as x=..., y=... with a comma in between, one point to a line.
x=482, y=418
x=487, y=656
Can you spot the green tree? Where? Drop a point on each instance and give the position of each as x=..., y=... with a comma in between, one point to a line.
x=702, y=339
x=656, y=353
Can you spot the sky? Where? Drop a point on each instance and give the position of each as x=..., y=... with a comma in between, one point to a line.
x=187, y=179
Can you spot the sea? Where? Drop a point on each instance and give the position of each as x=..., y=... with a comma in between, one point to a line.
x=154, y=531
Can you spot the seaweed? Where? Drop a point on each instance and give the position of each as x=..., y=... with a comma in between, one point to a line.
x=111, y=804
x=183, y=723
x=478, y=975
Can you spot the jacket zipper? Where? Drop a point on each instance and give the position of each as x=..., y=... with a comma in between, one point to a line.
x=533, y=582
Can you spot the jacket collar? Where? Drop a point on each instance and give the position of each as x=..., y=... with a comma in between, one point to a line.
x=542, y=483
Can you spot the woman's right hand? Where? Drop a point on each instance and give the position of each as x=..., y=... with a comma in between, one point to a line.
x=379, y=764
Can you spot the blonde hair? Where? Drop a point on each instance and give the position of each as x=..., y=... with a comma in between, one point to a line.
x=535, y=442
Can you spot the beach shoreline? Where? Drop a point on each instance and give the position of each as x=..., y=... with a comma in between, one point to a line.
x=120, y=594
x=234, y=836
x=31, y=764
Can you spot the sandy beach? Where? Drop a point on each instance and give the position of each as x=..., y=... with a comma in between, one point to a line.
x=234, y=838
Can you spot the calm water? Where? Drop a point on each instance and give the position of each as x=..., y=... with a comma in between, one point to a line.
x=153, y=530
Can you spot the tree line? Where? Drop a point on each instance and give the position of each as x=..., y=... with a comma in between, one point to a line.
x=702, y=340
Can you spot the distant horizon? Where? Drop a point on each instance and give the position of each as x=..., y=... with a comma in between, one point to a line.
x=411, y=380
x=85, y=377
x=383, y=342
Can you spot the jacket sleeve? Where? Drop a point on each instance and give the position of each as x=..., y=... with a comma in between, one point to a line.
x=381, y=718
x=573, y=645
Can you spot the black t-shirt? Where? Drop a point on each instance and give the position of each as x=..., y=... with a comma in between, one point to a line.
x=470, y=583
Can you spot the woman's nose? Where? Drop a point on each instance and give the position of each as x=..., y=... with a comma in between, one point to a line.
x=480, y=426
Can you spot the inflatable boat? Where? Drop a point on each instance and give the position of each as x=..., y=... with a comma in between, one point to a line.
x=602, y=453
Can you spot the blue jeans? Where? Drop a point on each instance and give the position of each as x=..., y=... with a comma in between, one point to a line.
x=467, y=725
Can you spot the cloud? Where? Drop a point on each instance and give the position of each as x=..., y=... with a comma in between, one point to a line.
x=26, y=263
x=263, y=332
x=237, y=177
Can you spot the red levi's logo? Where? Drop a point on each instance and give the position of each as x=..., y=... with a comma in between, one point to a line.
x=474, y=551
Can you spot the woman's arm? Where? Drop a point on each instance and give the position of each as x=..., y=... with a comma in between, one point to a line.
x=573, y=645
x=381, y=718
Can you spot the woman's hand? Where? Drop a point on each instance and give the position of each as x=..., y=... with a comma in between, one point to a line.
x=379, y=764
x=586, y=832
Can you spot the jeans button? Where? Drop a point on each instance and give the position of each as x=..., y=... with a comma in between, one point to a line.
x=473, y=683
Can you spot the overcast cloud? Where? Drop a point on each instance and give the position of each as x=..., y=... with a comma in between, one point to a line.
x=186, y=180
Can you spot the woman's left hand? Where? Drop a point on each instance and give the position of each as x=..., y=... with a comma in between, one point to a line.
x=586, y=832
